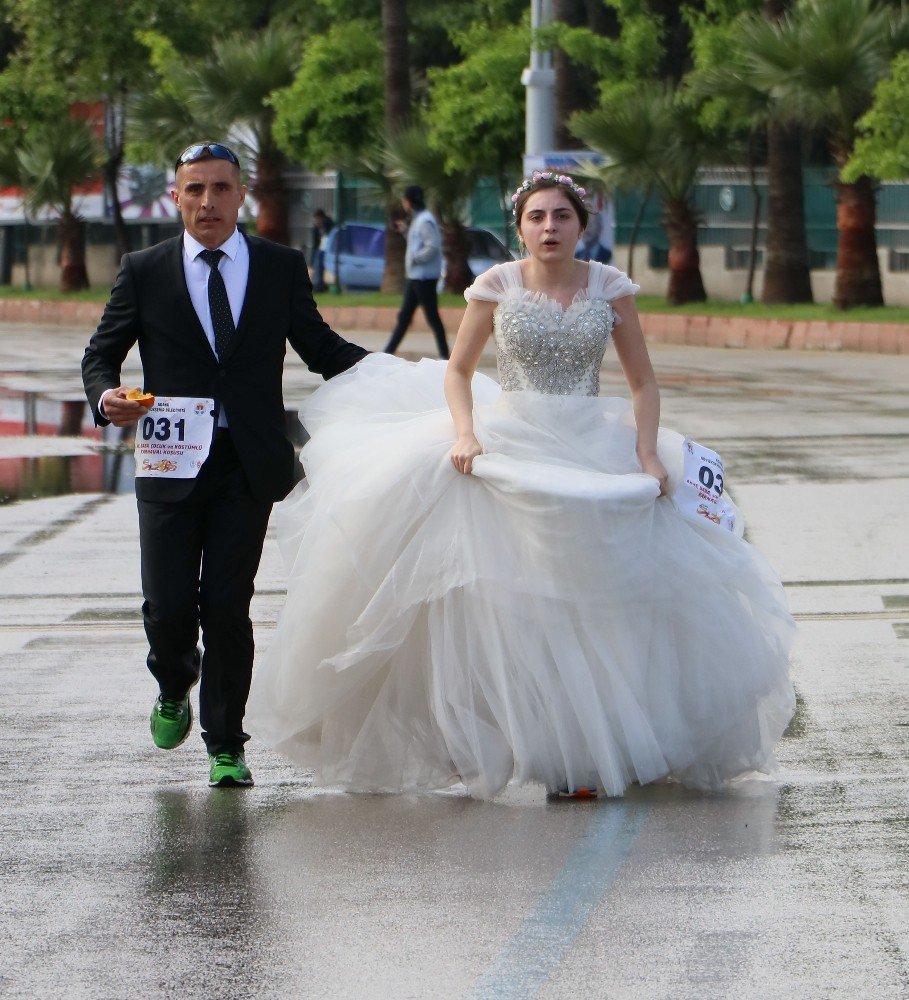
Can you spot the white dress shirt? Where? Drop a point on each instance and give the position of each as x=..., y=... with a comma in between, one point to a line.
x=234, y=269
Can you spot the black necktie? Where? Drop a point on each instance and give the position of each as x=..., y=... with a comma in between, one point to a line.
x=221, y=319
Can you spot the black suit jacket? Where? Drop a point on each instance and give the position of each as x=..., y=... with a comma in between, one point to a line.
x=150, y=303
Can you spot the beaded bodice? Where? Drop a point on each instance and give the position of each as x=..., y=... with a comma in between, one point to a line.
x=544, y=348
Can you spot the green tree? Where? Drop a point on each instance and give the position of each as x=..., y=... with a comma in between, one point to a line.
x=821, y=63
x=882, y=147
x=741, y=107
x=476, y=107
x=88, y=51
x=50, y=161
x=576, y=85
x=331, y=113
x=653, y=139
x=633, y=50
x=642, y=59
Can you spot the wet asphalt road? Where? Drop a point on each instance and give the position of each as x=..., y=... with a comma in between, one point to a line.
x=123, y=875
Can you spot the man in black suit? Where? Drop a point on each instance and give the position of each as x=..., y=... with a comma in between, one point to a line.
x=212, y=311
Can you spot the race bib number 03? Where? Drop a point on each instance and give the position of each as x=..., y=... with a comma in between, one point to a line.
x=174, y=438
x=700, y=493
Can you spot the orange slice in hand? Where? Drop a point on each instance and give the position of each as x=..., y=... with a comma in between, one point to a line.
x=142, y=398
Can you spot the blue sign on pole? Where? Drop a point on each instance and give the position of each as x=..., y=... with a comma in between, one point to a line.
x=565, y=161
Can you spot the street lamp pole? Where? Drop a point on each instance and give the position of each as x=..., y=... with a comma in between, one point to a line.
x=539, y=79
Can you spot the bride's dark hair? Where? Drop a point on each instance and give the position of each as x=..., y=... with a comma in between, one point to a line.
x=541, y=184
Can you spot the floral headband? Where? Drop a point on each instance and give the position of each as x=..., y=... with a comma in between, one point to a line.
x=544, y=175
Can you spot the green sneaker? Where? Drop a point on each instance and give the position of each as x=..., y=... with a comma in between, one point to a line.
x=227, y=769
x=171, y=721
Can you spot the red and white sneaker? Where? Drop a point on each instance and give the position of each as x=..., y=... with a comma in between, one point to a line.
x=584, y=792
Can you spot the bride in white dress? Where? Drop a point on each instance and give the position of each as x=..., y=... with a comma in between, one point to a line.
x=528, y=603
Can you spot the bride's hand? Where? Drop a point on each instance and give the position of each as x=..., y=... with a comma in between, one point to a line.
x=652, y=466
x=463, y=453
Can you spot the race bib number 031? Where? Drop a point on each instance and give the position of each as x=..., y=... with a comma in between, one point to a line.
x=700, y=493
x=174, y=438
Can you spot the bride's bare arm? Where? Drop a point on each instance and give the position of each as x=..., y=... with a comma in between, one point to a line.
x=474, y=331
x=631, y=350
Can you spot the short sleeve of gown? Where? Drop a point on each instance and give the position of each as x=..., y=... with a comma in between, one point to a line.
x=492, y=285
x=608, y=282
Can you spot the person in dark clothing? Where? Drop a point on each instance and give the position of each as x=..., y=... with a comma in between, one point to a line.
x=212, y=311
x=422, y=268
x=322, y=225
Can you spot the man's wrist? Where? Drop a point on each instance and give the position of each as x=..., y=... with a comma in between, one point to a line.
x=101, y=409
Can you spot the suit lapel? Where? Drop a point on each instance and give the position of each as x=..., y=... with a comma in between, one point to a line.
x=252, y=298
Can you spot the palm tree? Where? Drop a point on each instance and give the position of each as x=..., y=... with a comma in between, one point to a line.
x=882, y=150
x=11, y=176
x=397, y=115
x=738, y=103
x=787, y=270
x=397, y=64
x=411, y=160
x=652, y=138
x=820, y=64
x=226, y=96
x=53, y=158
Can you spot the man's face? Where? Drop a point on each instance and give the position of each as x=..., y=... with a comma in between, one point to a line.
x=209, y=196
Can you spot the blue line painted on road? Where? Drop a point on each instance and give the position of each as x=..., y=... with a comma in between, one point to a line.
x=529, y=959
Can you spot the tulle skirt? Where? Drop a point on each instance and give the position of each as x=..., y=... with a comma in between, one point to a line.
x=549, y=618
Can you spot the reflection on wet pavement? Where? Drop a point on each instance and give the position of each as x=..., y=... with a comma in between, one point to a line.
x=50, y=447
x=125, y=876
x=57, y=475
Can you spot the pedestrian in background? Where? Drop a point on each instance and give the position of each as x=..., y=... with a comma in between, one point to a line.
x=602, y=250
x=322, y=225
x=597, y=240
x=423, y=267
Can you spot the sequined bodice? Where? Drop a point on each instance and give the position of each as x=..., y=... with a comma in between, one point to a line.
x=543, y=348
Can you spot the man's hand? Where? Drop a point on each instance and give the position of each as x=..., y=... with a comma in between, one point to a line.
x=119, y=410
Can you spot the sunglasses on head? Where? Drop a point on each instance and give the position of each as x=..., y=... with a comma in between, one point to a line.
x=203, y=150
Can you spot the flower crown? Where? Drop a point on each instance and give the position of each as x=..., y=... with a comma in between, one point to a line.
x=544, y=175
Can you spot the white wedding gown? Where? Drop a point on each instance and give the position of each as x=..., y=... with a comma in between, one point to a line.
x=547, y=618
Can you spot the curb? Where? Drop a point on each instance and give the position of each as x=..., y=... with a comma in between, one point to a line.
x=659, y=328
x=47, y=311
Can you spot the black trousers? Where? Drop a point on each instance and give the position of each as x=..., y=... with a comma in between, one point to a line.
x=419, y=292
x=199, y=562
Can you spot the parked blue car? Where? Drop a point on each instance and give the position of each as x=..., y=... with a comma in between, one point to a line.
x=357, y=251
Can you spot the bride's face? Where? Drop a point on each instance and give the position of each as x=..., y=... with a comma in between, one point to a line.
x=550, y=227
